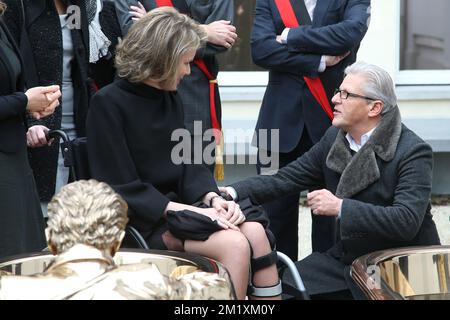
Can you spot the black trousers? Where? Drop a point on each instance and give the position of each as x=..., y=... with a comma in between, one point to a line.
x=283, y=212
x=325, y=277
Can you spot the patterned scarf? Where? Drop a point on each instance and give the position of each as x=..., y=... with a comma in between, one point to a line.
x=98, y=42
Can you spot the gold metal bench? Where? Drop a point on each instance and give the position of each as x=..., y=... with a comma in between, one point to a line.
x=411, y=273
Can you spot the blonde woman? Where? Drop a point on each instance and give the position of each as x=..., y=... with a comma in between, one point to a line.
x=129, y=129
x=21, y=221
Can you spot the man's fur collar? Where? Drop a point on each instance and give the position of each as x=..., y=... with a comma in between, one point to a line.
x=361, y=170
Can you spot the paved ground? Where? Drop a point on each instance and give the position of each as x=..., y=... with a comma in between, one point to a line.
x=441, y=216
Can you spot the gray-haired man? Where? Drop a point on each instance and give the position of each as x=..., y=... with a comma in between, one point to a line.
x=377, y=175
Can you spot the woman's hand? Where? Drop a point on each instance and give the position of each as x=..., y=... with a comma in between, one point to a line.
x=230, y=210
x=137, y=11
x=42, y=101
x=211, y=213
x=214, y=215
x=221, y=33
x=36, y=136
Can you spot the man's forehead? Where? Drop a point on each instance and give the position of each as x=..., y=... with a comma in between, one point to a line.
x=352, y=81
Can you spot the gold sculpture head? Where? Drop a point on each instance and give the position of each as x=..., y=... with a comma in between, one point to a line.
x=86, y=212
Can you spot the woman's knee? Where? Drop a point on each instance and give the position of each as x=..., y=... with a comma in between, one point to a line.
x=251, y=226
x=255, y=233
x=234, y=242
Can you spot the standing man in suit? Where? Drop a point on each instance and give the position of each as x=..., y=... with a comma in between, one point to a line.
x=305, y=45
x=377, y=176
x=200, y=106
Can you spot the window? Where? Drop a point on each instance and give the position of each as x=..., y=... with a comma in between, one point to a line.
x=239, y=57
x=424, y=42
x=237, y=67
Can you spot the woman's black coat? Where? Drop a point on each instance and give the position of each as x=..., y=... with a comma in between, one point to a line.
x=21, y=220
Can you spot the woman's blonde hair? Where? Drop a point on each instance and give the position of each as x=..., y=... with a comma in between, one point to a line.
x=155, y=44
x=2, y=7
x=86, y=212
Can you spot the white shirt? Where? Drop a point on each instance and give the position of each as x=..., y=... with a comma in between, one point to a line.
x=310, y=6
x=364, y=138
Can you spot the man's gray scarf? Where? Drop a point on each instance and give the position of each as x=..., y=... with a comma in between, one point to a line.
x=361, y=170
x=98, y=42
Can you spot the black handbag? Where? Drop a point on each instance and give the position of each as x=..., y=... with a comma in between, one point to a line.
x=190, y=225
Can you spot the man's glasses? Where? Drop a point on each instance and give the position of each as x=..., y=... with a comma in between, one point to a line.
x=345, y=94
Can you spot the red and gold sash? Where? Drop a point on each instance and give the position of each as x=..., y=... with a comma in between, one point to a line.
x=215, y=123
x=315, y=85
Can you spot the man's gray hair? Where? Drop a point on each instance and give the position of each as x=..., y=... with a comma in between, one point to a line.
x=86, y=212
x=379, y=84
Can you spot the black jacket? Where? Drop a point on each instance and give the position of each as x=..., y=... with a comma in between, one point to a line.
x=129, y=131
x=22, y=223
x=385, y=187
x=13, y=103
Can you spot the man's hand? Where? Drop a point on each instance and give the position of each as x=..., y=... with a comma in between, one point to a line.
x=334, y=60
x=137, y=11
x=324, y=203
x=221, y=33
x=230, y=210
x=224, y=191
x=282, y=38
